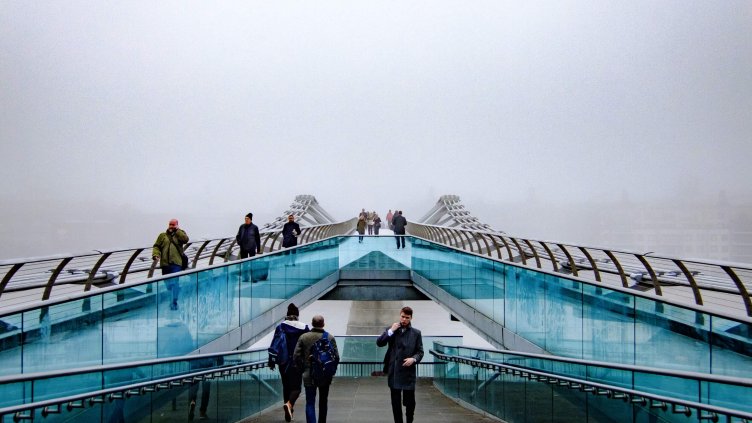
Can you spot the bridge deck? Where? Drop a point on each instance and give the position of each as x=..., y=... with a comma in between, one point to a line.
x=367, y=400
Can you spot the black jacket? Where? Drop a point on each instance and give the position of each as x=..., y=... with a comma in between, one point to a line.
x=402, y=344
x=288, y=234
x=248, y=238
x=399, y=222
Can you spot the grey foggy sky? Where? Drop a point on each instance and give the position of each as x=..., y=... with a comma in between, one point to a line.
x=213, y=109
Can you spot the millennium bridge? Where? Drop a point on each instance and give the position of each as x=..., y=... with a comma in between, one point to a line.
x=579, y=333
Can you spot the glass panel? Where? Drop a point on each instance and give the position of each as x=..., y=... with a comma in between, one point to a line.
x=668, y=337
x=731, y=347
x=130, y=322
x=58, y=335
x=11, y=341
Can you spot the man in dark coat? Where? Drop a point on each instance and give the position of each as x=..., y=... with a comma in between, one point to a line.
x=290, y=232
x=404, y=352
x=399, y=223
x=248, y=238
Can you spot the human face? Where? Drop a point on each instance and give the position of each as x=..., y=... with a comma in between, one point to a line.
x=291, y=218
x=247, y=220
x=405, y=319
x=173, y=225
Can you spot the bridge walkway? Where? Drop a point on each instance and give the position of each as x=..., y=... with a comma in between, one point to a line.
x=367, y=400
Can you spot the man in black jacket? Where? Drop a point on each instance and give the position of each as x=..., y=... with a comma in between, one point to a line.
x=248, y=238
x=404, y=352
x=399, y=223
x=290, y=232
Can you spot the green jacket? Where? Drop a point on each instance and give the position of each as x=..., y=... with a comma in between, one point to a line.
x=169, y=247
x=302, y=355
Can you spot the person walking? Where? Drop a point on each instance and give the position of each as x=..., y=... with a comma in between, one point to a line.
x=288, y=333
x=168, y=252
x=398, y=226
x=369, y=222
x=389, y=217
x=290, y=233
x=248, y=238
x=361, y=228
x=404, y=352
x=168, y=248
x=302, y=357
x=376, y=224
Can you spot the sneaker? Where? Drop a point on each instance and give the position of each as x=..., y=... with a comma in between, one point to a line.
x=288, y=412
x=191, y=410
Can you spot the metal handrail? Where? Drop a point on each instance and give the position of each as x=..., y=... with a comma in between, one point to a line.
x=703, y=377
x=630, y=269
x=678, y=406
x=106, y=268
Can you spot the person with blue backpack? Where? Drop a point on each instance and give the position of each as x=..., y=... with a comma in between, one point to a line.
x=316, y=353
x=281, y=350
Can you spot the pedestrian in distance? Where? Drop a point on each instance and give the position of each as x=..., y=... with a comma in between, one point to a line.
x=361, y=228
x=304, y=358
x=389, y=217
x=399, y=223
x=404, y=352
x=376, y=224
x=168, y=248
x=290, y=233
x=168, y=252
x=281, y=351
x=369, y=221
x=248, y=238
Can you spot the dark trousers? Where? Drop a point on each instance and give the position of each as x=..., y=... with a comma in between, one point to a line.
x=400, y=239
x=205, y=391
x=291, y=382
x=407, y=398
x=310, y=403
x=247, y=253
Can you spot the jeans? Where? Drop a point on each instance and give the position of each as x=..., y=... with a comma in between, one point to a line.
x=172, y=284
x=310, y=406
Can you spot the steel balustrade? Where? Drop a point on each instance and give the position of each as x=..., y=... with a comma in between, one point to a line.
x=643, y=271
x=701, y=411
x=83, y=271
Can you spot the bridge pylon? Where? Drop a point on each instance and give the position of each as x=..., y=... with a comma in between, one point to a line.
x=450, y=212
x=307, y=211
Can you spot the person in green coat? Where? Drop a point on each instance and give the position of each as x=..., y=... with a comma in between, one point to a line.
x=168, y=251
x=361, y=227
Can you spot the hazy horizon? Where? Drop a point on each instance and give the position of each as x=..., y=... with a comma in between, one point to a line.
x=542, y=116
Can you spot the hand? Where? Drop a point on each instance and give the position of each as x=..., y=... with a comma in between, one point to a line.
x=409, y=361
x=271, y=366
x=395, y=326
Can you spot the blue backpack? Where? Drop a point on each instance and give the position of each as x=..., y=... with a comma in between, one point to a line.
x=278, y=352
x=324, y=360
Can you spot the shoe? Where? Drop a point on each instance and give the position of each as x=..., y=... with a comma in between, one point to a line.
x=191, y=410
x=203, y=416
x=288, y=412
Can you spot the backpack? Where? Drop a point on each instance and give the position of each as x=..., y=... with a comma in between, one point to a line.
x=324, y=360
x=278, y=352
